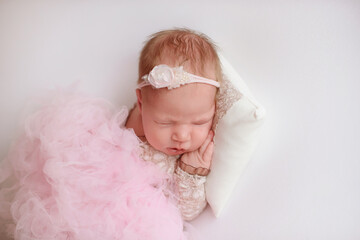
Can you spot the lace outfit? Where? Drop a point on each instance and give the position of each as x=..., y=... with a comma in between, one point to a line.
x=190, y=189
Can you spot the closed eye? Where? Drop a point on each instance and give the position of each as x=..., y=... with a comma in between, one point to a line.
x=163, y=123
x=202, y=122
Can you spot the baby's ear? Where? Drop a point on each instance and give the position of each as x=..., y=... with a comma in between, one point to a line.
x=139, y=98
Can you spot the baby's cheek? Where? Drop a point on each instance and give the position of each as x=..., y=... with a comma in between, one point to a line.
x=159, y=136
x=151, y=134
x=201, y=135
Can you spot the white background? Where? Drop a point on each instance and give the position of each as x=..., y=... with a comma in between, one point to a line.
x=300, y=59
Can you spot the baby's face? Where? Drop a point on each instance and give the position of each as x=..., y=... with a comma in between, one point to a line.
x=178, y=120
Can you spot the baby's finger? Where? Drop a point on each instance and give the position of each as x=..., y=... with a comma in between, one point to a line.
x=206, y=142
x=208, y=154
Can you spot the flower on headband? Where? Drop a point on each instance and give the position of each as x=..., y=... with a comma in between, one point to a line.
x=164, y=76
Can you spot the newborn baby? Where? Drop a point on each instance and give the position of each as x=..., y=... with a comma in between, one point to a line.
x=179, y=73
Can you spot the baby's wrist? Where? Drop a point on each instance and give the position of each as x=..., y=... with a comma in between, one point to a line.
x=193, y=170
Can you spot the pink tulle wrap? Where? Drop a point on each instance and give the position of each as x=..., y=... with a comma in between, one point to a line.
x=75, y=174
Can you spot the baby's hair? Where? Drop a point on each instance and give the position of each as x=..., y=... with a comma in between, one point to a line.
x=182, y=45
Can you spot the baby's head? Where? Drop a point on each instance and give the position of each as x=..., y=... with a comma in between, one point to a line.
x=177, y=119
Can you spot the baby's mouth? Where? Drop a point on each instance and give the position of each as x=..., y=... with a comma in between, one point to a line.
x=177, y=151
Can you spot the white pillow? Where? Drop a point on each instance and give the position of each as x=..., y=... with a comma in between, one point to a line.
x=237, y=120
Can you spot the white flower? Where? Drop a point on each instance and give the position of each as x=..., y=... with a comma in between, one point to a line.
x=161, y=76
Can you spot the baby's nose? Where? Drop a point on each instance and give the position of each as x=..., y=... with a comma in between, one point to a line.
x=181, y=134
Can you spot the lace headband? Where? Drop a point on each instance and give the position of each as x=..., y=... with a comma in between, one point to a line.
x=164, y=76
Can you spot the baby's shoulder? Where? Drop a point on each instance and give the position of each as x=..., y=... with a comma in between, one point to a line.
x=134, y=121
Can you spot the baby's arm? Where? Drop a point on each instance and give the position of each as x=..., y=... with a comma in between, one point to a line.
x=190, y=177
x=191, y=193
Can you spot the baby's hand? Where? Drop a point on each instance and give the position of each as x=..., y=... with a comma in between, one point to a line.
x=201, y=157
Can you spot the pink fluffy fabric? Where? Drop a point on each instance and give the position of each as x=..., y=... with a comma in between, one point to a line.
x=75, y=173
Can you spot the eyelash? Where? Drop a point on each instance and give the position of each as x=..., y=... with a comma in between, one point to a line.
x=202, y=123
x=164, y=124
